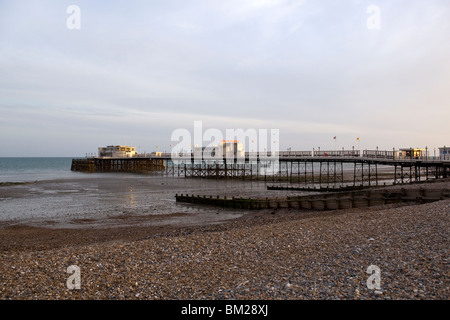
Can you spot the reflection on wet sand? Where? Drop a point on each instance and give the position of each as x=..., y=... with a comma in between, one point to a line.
x=120, y=199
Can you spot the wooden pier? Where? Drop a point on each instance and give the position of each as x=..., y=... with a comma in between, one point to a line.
x=136, y=165
x=325, y=201
x=302, y=169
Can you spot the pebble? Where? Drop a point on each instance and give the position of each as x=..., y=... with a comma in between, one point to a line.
x=289, y=255
x=378, y=293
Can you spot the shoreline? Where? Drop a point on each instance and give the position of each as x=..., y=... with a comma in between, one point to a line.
x=282, y=254
x=129, y=225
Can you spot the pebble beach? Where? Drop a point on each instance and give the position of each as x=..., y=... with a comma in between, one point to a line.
x=281, y=254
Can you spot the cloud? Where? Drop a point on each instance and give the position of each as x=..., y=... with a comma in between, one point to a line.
x=311, y=69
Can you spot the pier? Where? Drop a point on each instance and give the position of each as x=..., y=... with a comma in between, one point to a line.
x=294, y=169
x=135, y=165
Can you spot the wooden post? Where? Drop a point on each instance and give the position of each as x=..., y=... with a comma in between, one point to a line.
x=334, y=176
x=290, y=174
x=305, y=173
x=328, y=174
x=320, y=174
x=401, y=170
x=376, y=174
x=410, y=174
x=362, y=173
x=395, y=174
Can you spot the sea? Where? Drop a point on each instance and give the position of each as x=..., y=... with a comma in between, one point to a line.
x=55, y=196
x=29, y=169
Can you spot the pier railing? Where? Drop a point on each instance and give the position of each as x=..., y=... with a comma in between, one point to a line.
x=288, y=154
x=331, y=169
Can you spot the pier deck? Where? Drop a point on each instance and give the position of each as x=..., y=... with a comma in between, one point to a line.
x=301, y=169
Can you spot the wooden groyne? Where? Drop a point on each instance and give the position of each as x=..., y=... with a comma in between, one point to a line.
x=327, y=201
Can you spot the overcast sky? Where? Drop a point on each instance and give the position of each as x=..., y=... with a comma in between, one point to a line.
x=137, y=70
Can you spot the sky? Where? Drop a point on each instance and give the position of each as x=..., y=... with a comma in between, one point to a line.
x=132, y=72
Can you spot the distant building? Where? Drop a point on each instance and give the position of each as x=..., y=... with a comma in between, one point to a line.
x=117, y=152
x=232, y=149
x=444, y=153
x=226, y=149
x=410, y=153
x=206, y=152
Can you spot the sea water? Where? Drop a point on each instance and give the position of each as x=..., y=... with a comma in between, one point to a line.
x=57, y=196
x=28, y=169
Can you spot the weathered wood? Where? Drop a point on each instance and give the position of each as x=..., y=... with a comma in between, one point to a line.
x=326, y=201
x=140, y=165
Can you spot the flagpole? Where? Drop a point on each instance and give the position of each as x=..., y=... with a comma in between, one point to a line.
x=359, y=146
x=335, y=144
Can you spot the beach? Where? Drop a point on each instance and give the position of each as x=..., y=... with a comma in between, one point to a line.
x=284, y=254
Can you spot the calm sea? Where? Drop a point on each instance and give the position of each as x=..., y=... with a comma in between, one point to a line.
x=35, y=169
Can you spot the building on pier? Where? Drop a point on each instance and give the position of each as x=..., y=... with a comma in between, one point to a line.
x=444, y=153
x=117, y=152
x=230, y=149
x=410, y=153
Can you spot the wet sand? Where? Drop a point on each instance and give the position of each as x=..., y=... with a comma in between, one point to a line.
x=267, y=254
x=116, y=200
x=92, y=208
